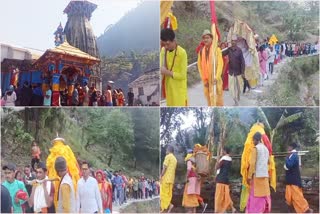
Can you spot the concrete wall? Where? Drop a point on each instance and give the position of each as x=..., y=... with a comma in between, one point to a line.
x=11, y=52
x=148, y=88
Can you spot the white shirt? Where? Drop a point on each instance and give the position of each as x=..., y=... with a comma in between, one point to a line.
x=11, y=99
x=88, y=196
x=271, y=55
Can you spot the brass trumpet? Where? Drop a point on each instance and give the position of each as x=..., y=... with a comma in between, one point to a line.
x=36, y=181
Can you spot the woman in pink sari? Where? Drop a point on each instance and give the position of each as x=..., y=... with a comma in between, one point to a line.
x=263, y=63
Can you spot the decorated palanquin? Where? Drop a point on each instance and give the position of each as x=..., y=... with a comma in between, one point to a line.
x=60, y=148
x=247, y=43
x=245, y=159
x=168, y=20
x=273, y=40
x=64, y=66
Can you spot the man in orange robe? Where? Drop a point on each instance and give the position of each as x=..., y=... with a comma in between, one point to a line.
x=210, y=64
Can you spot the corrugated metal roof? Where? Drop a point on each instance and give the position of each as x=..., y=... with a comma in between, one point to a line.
x=146, y=78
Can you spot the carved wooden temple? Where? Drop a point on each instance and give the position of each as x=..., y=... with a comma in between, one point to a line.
x=62, y=67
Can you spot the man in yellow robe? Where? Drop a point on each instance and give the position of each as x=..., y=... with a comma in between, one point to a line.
x=173, y=67
x=210, y=64
x=167, y=180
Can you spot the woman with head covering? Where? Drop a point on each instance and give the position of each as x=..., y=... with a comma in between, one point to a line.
x=225, y=70
x=18, y=175
x=120, y=98
x=263, y=61
x=191, y=196
x=10, y=97
x=115, y=97
x=106, y=191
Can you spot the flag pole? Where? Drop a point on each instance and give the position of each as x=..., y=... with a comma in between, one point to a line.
x=216, y=35
x=214, y=77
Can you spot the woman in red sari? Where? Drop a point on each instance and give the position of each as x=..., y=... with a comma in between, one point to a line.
x=225, y=69
x=121, y=101
x=106, y=191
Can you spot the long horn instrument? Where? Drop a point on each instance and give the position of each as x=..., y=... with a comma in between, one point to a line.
x=36, y=181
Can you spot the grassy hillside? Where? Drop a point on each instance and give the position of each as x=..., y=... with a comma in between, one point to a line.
x=297, y=84
x=107, y=138
x=151, y=206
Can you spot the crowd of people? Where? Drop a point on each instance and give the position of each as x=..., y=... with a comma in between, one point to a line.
x=34, y=95
x=257, y=175
x=272, y=54
x=31, y=190
x=223, y=66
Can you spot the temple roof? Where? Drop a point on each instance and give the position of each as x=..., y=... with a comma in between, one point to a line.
x=90, y=6
x=66, y=49
x=150, y=77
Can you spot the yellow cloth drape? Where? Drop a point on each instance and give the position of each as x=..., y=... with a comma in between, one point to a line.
x=244, y=196
x=173, y=21
x=165, y=8
x=245, y=160
x=60, y=149
x=272, y=173
x=176, y=86
x=273, y=40
x=246, y=154
x=242, y=29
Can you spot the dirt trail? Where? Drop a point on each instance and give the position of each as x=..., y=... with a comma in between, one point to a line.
x=117, y=209
x=196, y=96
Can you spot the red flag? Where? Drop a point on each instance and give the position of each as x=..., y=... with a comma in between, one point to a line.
x=214, y=18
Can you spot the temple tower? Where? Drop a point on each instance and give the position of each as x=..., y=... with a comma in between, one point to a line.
x=79, y=34
x=78, y=29
x=59, y=35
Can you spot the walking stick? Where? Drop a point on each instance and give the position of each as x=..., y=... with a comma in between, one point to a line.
x=214, y=77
